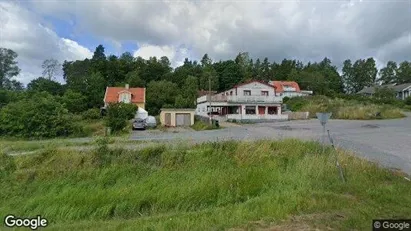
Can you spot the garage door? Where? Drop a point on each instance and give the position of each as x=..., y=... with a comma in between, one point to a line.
x=168, y=119
x=183, y=119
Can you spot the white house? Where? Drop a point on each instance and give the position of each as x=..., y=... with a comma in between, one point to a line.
x=288, y=89
x=253, y=100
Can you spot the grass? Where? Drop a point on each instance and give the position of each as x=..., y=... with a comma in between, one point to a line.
x=212, y=186
x=201, y=126
x=344, y=109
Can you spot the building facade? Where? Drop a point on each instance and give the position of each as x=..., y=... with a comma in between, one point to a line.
x=248, y=101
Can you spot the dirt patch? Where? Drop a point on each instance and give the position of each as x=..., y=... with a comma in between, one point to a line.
x=308, y=222
x=370, y=126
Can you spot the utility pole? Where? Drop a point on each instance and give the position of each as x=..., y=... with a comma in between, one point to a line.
x=209, y=97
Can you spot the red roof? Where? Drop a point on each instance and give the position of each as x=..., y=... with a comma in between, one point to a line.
x=252, y=81
x=279, y=85
x=137, y=94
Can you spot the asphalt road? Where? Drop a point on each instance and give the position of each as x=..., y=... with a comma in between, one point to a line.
x=387, y=142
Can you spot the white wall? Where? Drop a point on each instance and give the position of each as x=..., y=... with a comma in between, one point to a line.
x=254, y=87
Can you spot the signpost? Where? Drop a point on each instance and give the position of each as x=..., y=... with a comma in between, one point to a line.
x=323, y=118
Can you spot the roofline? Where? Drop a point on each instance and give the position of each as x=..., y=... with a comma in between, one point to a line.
x=252, y=81
x=178, y=109
x=105, y=94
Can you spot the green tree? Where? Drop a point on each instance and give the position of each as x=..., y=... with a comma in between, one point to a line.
x=404, y=72
x=43, y=84
x=208, y=74
x=134, y=80
x=160, y=93
x=95, y=90
x=188, y=96
x=8, y=66
x=265, y=70
x=384, y=95
x=348, y=76
x=229, y=74
x=118, y=114
x=75, y=102
x=38, y=116
x=206, y=61
x=388, y=74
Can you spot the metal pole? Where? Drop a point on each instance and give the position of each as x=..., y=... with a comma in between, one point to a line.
x=336, y=158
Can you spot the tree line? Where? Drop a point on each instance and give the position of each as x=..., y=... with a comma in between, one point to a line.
x=87, y=79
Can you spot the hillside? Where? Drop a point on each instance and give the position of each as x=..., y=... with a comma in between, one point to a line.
x=285, y=184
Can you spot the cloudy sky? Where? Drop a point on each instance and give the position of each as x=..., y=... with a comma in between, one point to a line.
x=306, y=30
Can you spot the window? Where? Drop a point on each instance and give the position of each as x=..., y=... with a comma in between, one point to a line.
x=250, y=110
x=264, y=93
x=231, y=92
x=247, y=92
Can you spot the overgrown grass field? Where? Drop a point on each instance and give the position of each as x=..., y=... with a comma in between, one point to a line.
x=214, y=186
x=344, y=109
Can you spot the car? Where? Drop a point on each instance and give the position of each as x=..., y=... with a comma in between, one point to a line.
x=139, y=124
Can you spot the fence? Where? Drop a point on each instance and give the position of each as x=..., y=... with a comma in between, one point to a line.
x=298, y=115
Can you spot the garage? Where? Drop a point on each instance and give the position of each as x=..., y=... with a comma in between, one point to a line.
x=173, y=117
x=183, y=119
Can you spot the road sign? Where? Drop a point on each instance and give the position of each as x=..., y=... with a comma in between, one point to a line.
x=323, y=117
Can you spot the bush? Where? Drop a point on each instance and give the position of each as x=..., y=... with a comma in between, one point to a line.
x=285, y=99
x=91, y=114
x=118, y=114
x=41, y=116
x=408, y=101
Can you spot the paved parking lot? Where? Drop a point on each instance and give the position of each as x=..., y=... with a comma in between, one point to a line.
x=387, y=142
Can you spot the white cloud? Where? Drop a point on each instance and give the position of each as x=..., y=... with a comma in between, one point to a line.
x=306, y=30
x=24, y=33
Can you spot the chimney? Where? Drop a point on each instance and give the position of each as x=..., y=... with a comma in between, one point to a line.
x=127, y=86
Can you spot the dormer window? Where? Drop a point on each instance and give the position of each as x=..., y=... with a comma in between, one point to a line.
x=125, y=97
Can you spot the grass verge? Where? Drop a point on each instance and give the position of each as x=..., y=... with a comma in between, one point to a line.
x=212, y=186
x=201, y=126
x=344, y=109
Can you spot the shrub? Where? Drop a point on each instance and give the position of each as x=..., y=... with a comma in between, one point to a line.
x=91, y=114
x=41, y=116
x=408, y=101
x=118, y=114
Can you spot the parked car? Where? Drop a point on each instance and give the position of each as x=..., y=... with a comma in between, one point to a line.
x=139, y=124
x=151, y=122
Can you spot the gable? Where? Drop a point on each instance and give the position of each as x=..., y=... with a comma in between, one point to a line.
x=113, y=93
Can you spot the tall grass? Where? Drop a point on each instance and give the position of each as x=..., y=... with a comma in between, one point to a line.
x=344, y=109
x=209, y=186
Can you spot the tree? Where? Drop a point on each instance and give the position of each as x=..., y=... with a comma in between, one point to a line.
x=8, y=65
x=388, y=74
x=229, y=74
x=209, y=73
x=13, y=85
x=265, y=70
x=75, y=102
x=99, y=53
x=42, y=84
x=384, y=95
x=160, y=93
x=205, y=61
x=134, y=80
x=51, y=67
x=94, y=89
x=188, y=95
x=38, y=116
x=348, y=76
x=118, y=114
x=404, y=72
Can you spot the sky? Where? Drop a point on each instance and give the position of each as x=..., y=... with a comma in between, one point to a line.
x=305, y=30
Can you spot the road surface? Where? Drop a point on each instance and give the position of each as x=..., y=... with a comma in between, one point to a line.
x=387, y=142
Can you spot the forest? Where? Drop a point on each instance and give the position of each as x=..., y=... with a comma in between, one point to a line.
x=24, y=108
